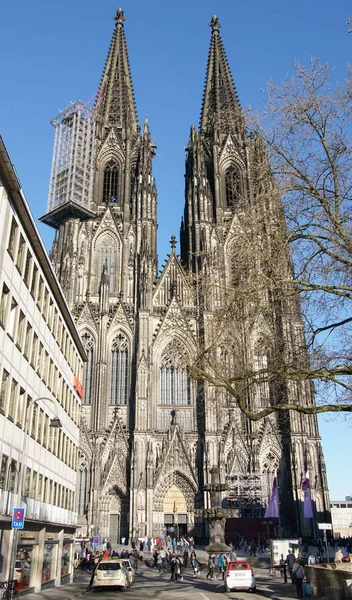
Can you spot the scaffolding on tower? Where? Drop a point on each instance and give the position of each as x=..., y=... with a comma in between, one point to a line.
x=248, y=493
x=71, y=180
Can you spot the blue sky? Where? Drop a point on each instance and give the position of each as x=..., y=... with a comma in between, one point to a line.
x=53, y=53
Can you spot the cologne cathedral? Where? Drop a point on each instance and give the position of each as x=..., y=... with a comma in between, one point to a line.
x=150, y=430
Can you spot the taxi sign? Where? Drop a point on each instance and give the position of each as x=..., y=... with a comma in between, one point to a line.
x=17, y=518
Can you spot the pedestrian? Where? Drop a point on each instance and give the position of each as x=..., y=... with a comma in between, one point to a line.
x=283, y=568
x=96, y=561
x=221, y=567
x=162, y=554
x=211, y=567
x=290, y=561
x=253, y=548
x=185, y=557
x=311, y=559
x=159, y=563
x=155, y=557
x=194, y=565
x=298, y=574
x=135, y=556
x=173, y=569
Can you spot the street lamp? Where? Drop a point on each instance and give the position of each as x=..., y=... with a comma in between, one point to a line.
x=56, y=424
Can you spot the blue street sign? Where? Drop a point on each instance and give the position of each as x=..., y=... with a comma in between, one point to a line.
x=17, y=518
x=95, y=540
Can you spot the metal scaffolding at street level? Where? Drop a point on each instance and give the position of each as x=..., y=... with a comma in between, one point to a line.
x=248, y=493
x=71, y=177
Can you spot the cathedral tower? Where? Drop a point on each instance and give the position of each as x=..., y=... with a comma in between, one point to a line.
x=149, y=432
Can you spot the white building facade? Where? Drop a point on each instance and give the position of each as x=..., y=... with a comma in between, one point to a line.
x=41, y=363
x=341, y=516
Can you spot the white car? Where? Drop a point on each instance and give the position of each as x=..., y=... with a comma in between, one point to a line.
x=111, y=573
x=239, y=576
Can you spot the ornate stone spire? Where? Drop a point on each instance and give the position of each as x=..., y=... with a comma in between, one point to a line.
x=115, y=101
x=220, y=102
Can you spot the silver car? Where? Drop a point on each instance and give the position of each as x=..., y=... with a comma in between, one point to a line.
x=111, y=573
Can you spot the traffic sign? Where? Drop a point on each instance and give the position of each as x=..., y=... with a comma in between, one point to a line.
x=17, y=518
x=326, y=526
x=95, y=540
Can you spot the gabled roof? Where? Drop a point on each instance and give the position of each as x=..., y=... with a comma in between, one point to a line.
x=115, y=100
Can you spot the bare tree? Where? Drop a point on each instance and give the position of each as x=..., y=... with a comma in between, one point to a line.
x=296, y=270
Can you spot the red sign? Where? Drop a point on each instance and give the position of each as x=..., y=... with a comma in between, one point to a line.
x=78, y=387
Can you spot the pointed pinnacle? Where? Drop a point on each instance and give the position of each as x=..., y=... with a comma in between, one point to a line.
x=214, y=23
x=119, y=17
x=146, y=125
x=173, y=243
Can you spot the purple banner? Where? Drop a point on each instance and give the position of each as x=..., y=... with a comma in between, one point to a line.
x=307, y=502
x=273, y=507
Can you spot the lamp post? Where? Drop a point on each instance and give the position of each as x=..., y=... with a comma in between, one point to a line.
x=55, y=423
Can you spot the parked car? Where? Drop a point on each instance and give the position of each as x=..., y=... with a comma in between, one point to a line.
x=127, y=563
x=111, y=573
x=239, y=576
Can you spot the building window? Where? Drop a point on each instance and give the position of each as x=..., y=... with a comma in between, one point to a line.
x=3, y=471
x=119, y=370
x=88, y=375
x=110, y=184
x=12, y=238
x=3, y=390
x=175, y=386
x=107, y=256
x=232, y=188
x=12, y=319
x=27, y=269
x=20, y=330
x=12, y=476
x=20, y=253
x=3, y=303
x=11, y=409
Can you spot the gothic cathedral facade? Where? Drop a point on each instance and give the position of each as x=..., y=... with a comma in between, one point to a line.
x=150, y=432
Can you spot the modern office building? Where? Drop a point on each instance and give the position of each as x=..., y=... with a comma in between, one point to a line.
x=341, y=517
x=150, y=433
x=41, y=365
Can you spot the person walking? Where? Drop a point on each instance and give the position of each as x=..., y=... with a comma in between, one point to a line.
x=221, y=567
x=96, y=561
x=173, y=569
x=298, y=574
x=211, y=567
x=290, y=561
x=194, y=565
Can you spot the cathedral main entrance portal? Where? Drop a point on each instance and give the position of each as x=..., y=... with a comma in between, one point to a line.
x=175, y=513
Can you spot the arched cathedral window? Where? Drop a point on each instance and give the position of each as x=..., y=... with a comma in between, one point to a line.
x=88, y=373
x=232, y=187
x=107, y=256
x=110, y=183
x=175, y=385
x=119, y=370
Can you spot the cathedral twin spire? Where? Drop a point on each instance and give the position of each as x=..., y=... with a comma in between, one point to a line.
x=220, y=106
x=115, y=101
